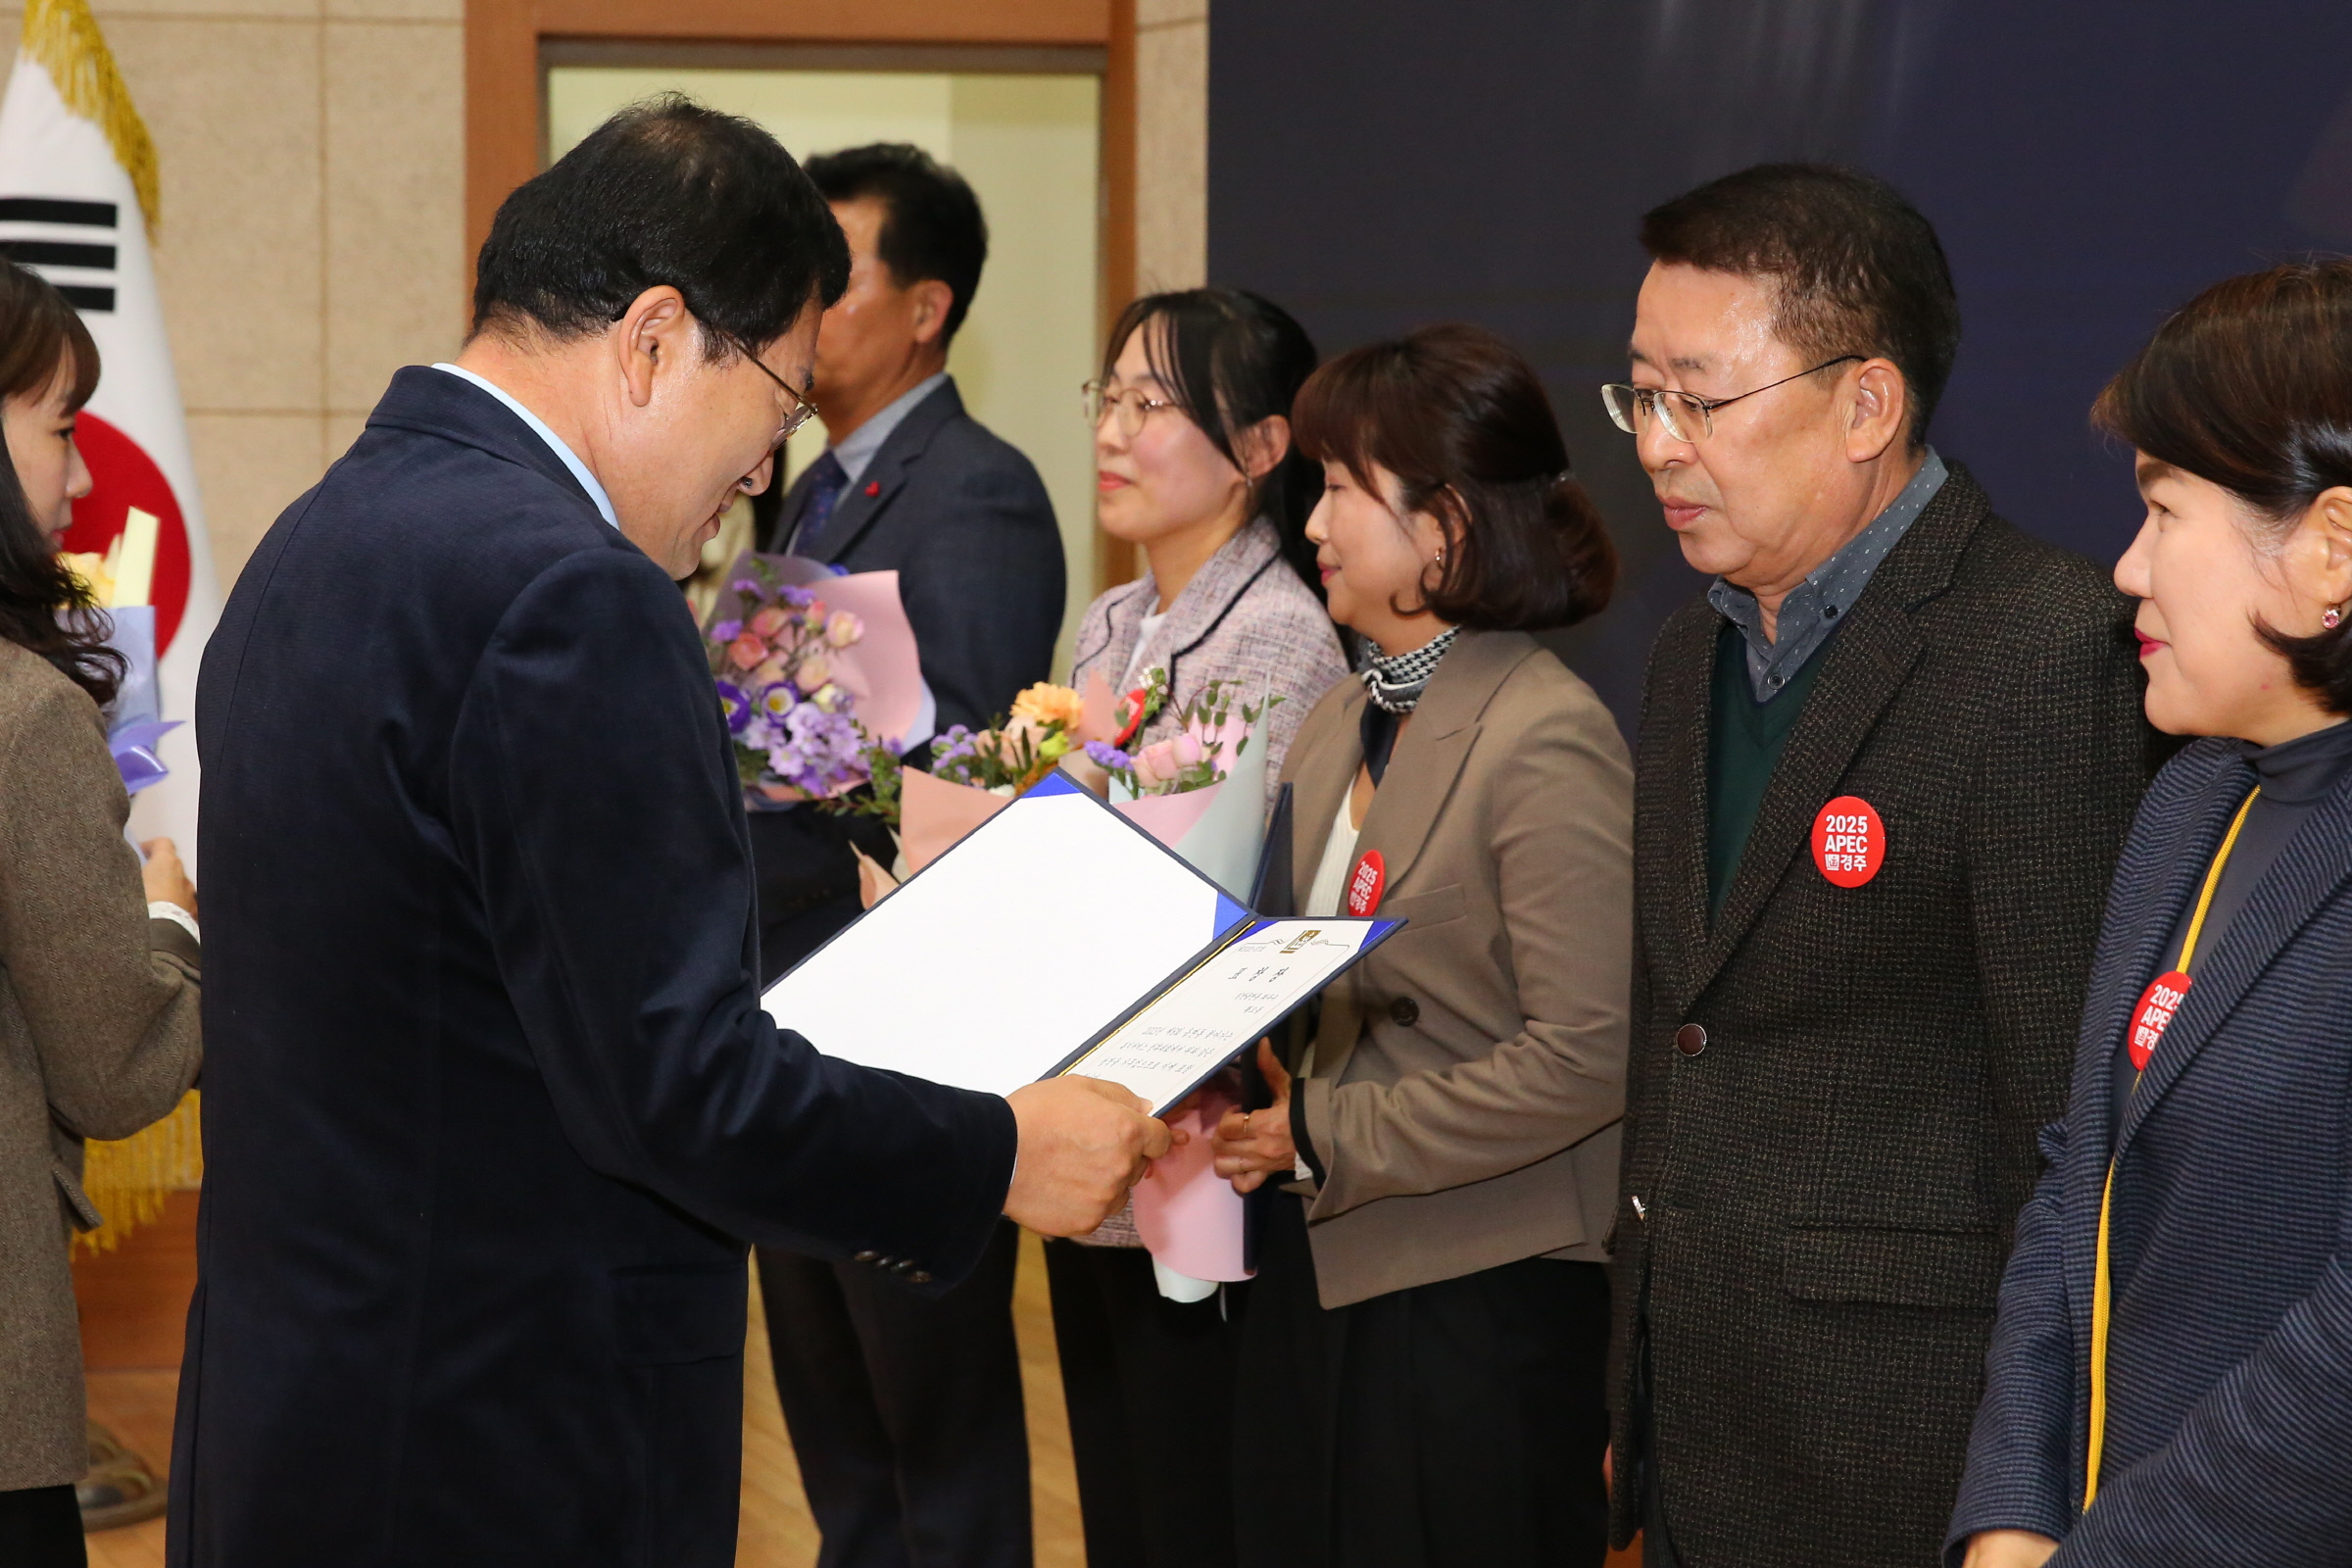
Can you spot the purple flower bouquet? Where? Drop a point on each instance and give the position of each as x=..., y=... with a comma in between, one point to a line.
x=796, y=678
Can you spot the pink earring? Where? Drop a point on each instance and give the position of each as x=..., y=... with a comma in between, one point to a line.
x=2333, y=618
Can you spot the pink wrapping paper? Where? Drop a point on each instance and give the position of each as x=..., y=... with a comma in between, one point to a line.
x=1099, y=712
x=1188, y=1216
x=882, y=669
x=934, y=813
x=1168, y=817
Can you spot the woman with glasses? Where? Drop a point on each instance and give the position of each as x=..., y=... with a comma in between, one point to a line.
x=2171, y=1373
x=1196, y=467
x=1421, y=1368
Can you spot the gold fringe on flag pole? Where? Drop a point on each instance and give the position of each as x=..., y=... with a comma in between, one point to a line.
x=63, y=38
x=126, y=1180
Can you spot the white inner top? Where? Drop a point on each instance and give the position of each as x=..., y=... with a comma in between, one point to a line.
x=1142, y=640
x=1339, y=859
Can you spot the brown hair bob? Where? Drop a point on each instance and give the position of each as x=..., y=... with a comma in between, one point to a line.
x=2249, y=386
x=1463, y=424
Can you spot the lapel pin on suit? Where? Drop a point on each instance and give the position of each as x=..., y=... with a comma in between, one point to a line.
x=1850, y=841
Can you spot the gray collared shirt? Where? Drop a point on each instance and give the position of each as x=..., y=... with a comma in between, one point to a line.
x=856, y=449
x=1814, y=607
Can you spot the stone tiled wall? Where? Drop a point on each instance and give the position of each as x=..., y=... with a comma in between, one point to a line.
x=1171, y=144
x=313, y=238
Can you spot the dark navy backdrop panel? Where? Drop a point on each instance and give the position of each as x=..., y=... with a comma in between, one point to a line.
x=1375, y=164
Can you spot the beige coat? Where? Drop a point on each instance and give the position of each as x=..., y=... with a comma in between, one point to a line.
x=1468, y=1078
x=98, y=1036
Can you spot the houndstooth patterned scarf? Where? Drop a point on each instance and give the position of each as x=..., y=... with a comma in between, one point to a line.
x=1396, y=681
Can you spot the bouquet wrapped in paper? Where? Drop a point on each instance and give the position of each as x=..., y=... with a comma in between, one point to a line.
x=119, y=582
x=817, y=674
x=1201, y=792
x=973, y=773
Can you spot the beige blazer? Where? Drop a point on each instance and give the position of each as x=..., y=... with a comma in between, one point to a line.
x=98, y=1036
x=1468, y=1078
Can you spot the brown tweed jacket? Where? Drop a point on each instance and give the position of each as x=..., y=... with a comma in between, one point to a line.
x=98, y=1036
x=1245, y=616
x=1829, y=1182
x=1468, y=1075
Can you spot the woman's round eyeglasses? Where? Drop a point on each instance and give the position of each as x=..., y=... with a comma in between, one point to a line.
x=1685, y=416
x=1131, y=402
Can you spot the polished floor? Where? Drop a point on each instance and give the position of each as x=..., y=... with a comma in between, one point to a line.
x=133, y=1303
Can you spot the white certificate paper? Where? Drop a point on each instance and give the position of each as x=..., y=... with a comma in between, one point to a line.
x=1059, y=937
x=1012, y=952
x=1226, y=1005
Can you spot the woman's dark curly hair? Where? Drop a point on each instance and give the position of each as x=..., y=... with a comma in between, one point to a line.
x=43, y=606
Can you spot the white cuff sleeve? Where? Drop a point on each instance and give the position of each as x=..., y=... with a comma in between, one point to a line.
x=161, y=910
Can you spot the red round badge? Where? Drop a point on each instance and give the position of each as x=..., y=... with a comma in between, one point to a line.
x=1363, y=883
x=2154, y=1015
x=1849, y=841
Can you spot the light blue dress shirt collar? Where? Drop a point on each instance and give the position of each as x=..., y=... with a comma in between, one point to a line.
x=1810, y=611
x=555, y=443
x=856, y=449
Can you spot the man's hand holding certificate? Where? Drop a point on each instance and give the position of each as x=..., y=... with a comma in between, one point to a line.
x=1084, y=1143
x=1025, y=984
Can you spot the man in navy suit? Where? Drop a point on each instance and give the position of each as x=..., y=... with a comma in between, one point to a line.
x=905, y=1408
x=909, y=483
x=489, y=1094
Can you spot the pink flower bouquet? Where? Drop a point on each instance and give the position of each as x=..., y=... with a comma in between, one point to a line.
x=815, y=674
x=973, y=773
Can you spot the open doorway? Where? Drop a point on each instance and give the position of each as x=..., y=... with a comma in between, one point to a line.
x=1029, y=142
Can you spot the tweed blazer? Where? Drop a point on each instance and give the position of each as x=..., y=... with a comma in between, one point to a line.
x=1467, y=1077
x=98, y=1036
x=2230, y=1351
x=1245, y=616
x=1819, y=1201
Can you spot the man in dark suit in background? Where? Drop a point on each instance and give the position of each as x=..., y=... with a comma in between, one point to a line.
x=909, y=483
x=489, y=1096
x=1885, y=763
x=906, y=1408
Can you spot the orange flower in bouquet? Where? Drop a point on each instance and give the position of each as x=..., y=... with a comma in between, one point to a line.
x=973, y=773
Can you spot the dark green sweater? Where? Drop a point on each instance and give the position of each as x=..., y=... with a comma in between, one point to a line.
x=1744, y=743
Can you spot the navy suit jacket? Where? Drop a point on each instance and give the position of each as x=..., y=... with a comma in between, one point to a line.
x=964, y=520
x=2229, y=1430
x=490, y=1104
